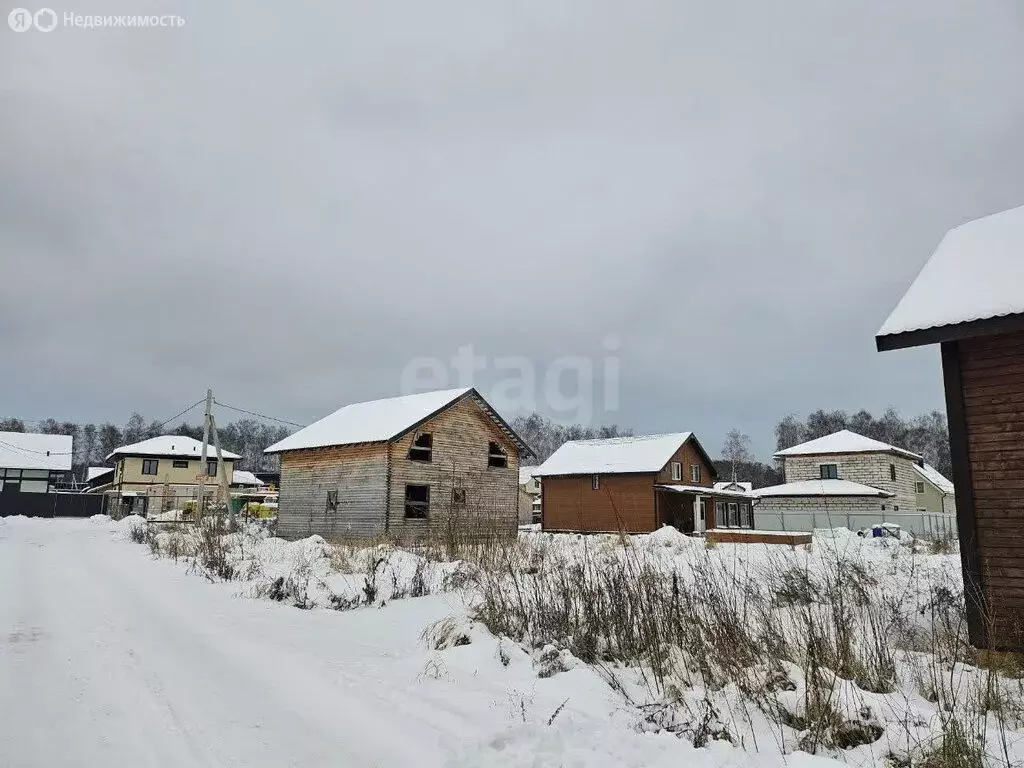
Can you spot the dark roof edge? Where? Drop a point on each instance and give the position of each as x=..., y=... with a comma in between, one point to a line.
x=971, y=329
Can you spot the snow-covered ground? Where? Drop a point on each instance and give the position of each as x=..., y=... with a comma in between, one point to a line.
x=115, y=657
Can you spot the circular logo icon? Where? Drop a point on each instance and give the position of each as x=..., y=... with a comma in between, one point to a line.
x=45, y=20
x=20, y=20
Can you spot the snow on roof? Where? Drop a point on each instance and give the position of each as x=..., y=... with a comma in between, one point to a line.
x=526, y=474
x=28, y=450
x=844, y=441
x=370, y=422
x=975, y=274
x=93, y=472
x=642, y=453
x=170, y=445
x=241, y=477
x=716, y=491
x=744, y=485
x=936, y=478
x=821, y=488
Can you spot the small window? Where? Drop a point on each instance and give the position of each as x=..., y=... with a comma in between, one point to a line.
x=720, y=513
x=695, y=473
x=829, y=471
x=703, y=509
x=422, y=448
x=745, y=521
x=458, y=497
x=180, y=463
x=595, y=482
x=417, y=501
x=496, y=456
x=211, y=467
x=733, y=515
x=149, y=466
x=677, y=470
x=892, y=472
x=919, y=487
x=332, y=501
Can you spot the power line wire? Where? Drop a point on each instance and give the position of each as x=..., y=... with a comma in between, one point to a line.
x=177, y=415
x=258, y=415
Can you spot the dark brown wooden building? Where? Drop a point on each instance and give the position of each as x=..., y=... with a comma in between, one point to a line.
x=401, y=467
x=636, y=485
x=969, y=299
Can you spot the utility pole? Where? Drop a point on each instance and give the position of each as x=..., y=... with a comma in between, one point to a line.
x=202, y=466
x=222, y=470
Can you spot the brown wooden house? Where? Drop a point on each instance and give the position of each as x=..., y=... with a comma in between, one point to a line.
x=401, y=467
x=969, y=298
x=636, y=485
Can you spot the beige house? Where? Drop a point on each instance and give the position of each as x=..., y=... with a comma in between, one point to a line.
x=846, y=479
x=934, y=492
x=168, y=467
x=529, y=496
x=404, y=466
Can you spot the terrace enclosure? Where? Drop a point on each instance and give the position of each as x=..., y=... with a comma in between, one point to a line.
x=969, y=299
x=403, y=467
x=636, y=485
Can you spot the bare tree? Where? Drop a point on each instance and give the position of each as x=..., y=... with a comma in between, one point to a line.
x=736, y=449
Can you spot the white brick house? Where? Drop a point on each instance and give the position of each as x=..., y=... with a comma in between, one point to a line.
x=842, y=476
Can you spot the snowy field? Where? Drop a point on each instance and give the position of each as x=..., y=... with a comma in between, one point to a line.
x=139, y=645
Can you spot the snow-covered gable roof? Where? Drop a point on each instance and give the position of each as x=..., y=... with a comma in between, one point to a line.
x=821, y=488
x=746, y=486
x=844, y=441
x=526, y=474
x=614, y=455
x=93, y=472
x=378, y=421
x=976, y=273
x=242, y=477
x=171, y=446
x=936, y=478
x=28, y=450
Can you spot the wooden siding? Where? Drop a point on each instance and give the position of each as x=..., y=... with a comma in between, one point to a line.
x=623, y=502
x=992, y=379
x=459, y=460
x=358, y=473
x=687, y=455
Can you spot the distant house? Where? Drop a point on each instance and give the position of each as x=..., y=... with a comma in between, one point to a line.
x=637, y=484
x=242, y=479
x=529, y=496
x=934, y=492
x=402, y=466
x=969, y=298
x=168, y=467
x=98, y=478
x=840, y=479
x=33, y=463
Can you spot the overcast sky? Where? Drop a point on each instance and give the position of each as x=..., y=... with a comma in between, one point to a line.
x=290, y=201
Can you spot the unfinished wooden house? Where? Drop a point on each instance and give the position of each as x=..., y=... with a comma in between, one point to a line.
x=636, y=485
x=969, y=298
x=402, y=466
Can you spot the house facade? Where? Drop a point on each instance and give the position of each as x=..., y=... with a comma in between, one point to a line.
x=842, y=479
x=529, y=496
x=33, y=463
x=934, y=493
x=167, y=468
x=636, y=485
x=403, y=467
x=969, y=299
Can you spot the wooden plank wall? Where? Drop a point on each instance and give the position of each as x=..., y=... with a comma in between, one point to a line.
x=357, y=472
x=460, y=446
x=623, y=502
x=992, y=375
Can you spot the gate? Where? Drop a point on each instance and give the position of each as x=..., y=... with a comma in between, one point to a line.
x=51, y=504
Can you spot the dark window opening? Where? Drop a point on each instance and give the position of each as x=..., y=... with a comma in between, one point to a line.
x=719, y=513
x=829, y=471
x=211, y=467
x=733, y=515
x=180, y=464
x=595, y=482
x=149, y=466
x=496, y=456
x=422, y=448
x=695, y=473
x=459, y=497
x=332, y=501
x=417, y=501
x=892, y=472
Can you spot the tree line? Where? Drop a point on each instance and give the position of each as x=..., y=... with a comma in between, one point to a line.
x=94, y=442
